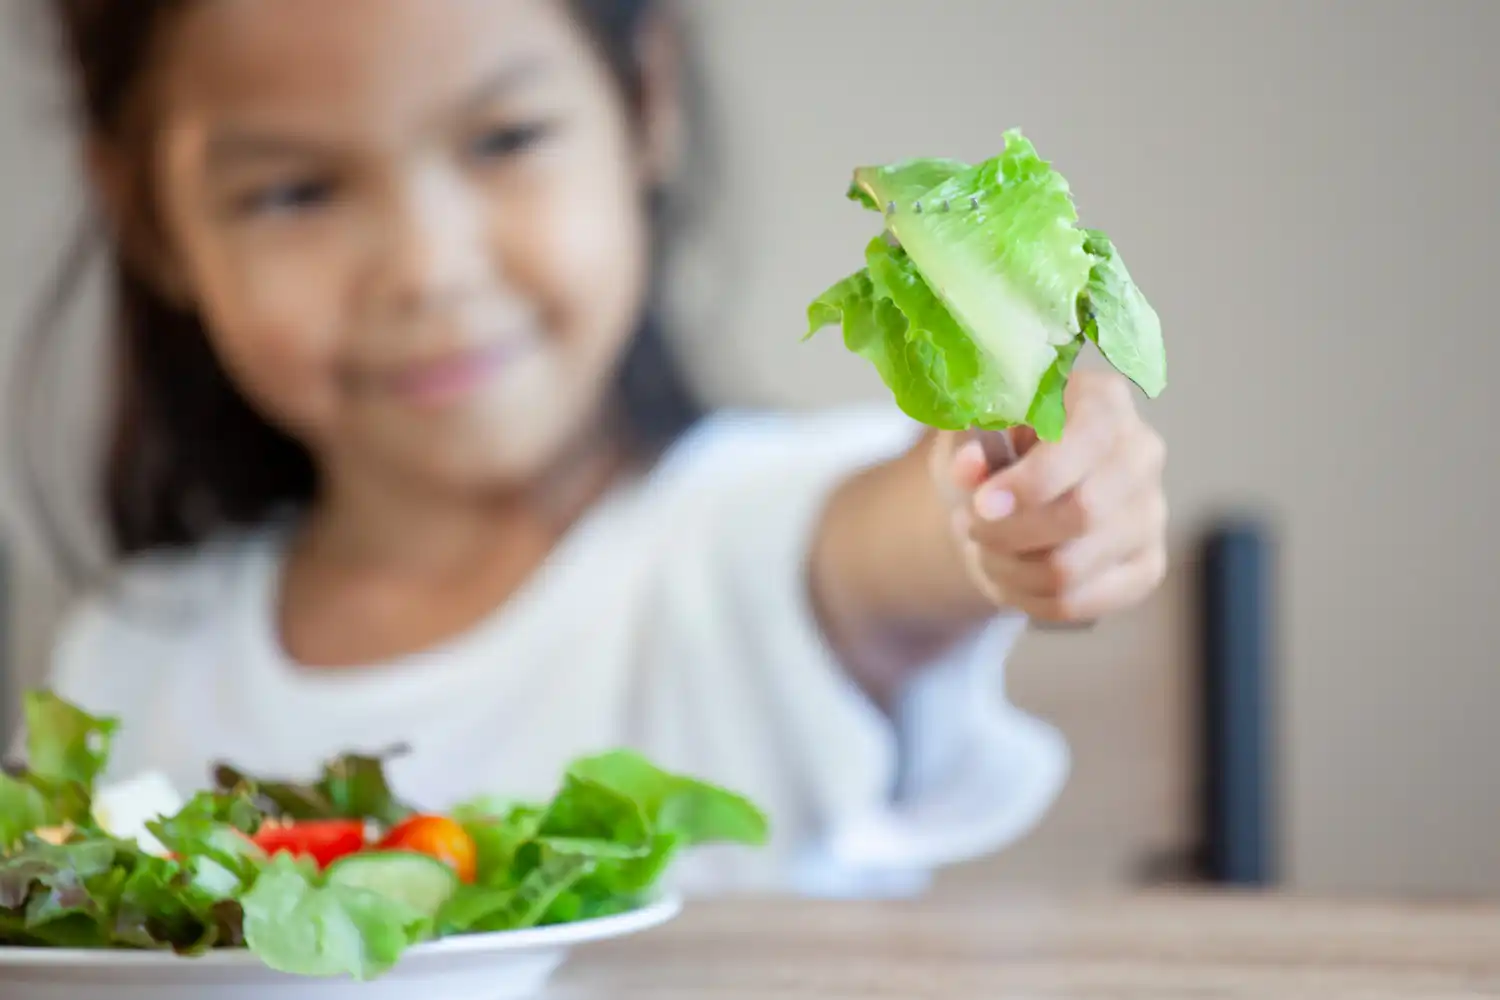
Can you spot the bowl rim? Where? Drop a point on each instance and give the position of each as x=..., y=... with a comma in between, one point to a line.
x=552, y=937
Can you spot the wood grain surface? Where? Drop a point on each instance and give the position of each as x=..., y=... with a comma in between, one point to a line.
x=1139, y=947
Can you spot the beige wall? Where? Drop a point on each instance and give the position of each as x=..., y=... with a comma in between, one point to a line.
x=1306, y=190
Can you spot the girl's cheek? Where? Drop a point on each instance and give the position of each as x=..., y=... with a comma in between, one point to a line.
x=276, y=327
x=591, y=237
x=283, y=371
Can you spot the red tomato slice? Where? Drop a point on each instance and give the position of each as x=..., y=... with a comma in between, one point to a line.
x=325, y=841
x=437, y=837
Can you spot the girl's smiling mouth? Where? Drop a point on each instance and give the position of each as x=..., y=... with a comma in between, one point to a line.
x=442, y=379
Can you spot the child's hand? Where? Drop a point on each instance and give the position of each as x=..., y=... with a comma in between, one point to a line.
x=1073, y=530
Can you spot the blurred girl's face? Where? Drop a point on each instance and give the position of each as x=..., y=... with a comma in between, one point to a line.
x=415, y=229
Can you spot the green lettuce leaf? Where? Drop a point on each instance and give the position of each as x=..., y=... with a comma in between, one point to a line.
x=357, y=787
x=41, y=869
x=23, y=809
x=899, y=184
x=471, y=906
x=352, y=786
x=974, y=301
x=1117, y=317
x=65, y=743
x=497, y=841
x=598, y=848
x=296, y=924
x=162, y=906
x=876, y=329
x=98, y=892
x=66, y=751
x=552, y=875
x=1048, y=414
x=693, y=811
x=594, y=820
x=208, y=834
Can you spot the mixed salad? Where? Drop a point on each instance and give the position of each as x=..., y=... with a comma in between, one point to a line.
x=335, y=876
x=982, y=289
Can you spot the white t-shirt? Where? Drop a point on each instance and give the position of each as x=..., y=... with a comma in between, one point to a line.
x=672, y=619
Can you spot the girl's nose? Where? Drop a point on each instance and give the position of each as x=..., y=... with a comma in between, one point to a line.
x=437, y=253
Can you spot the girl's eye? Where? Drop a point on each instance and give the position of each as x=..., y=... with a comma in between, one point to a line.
x=508, y=141
x=291, y=197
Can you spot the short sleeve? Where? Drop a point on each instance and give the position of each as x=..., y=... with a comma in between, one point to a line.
x=959, y=772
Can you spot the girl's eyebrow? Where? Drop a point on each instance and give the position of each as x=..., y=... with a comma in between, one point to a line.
x=508, y=77
x=233, y=146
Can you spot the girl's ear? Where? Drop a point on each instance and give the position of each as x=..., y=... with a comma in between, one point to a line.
x=123, y=192
x=659, y=54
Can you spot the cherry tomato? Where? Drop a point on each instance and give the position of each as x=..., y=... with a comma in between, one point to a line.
x=325, y=841
x=437, y=837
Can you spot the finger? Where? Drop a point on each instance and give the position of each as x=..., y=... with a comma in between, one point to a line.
x=1123, y=585
x=1075, y=564
x=941, y=449
x=974, y=561
x=970, y=467
x=1047, y=470
x=1122, y=476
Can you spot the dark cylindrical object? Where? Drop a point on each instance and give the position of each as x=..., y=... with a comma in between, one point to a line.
x=1237, y=719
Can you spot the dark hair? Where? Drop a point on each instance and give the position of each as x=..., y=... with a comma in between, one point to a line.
x=186, y=453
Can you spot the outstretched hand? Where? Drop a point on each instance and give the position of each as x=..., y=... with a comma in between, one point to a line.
x=1072, y=530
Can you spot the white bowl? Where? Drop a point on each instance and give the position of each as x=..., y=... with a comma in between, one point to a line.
x=473, y=967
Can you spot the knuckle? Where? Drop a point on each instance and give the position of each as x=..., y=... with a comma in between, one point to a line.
x=1117, y=390
x=1084, y=510
x=1028, y=487
x=1110, y=390
x=1154, y=452
x=1058, y=573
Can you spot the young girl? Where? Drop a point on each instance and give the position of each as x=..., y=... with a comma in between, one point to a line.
x=396, y=455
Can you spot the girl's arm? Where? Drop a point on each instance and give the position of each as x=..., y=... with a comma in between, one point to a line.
x=914, y=554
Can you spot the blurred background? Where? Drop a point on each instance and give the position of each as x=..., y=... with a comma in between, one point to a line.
x=1306, y=192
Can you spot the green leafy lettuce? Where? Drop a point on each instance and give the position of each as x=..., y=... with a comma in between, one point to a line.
x=598, y=848
x=297, y=923
x=976, y=299
x=351, y=786
x=22, y=809
x=100, y=892
x=66, y=751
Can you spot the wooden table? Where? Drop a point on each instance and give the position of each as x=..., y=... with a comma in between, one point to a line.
x=1140, y=948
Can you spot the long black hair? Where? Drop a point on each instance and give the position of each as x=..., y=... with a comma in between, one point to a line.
x=186, y=454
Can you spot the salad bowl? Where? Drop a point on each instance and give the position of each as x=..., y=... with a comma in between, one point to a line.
x=328, y=888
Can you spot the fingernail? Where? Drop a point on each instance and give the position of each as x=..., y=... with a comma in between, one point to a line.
x=995, y=504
